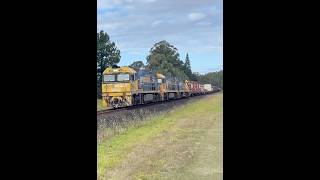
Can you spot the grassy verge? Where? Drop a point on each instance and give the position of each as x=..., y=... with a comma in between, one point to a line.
x=174, y=132
x=99, y=105
x=106, y=133
x=113, y=150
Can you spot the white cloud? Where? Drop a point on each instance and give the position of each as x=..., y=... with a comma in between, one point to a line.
x=110, y=26
x=148, y=1
x=204, y=23
x=156, y=23
x=196, y=16
x=112, y=3
x=207, y=49
x=103, y=4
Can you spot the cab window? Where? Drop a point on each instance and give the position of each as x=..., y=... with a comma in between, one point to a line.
x=123, y=77
x=109, y=78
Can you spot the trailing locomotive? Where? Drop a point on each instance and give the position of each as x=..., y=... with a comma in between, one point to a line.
x=124, y=86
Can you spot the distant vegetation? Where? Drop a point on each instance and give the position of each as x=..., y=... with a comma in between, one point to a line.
x=215, y=78
x=163, y=58
x=137, y=65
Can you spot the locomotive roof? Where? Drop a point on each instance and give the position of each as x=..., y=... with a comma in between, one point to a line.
x=160, y=76
x=124, y=69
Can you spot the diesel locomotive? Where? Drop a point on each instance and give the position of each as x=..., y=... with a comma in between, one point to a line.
x=124, y=86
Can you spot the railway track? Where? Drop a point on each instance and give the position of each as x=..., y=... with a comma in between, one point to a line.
x=108, y=111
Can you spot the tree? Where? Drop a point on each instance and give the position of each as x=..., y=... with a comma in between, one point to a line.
x=107, y=55
x=164, y=58
x=137, y=65
x=195, y=76
x=187, y=69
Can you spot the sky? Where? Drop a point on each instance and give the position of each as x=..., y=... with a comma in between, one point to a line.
x=192, y=26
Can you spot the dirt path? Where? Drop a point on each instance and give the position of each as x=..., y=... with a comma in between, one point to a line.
x=191, y=148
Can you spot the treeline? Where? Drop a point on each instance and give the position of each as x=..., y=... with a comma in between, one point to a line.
x=214, y=78
x=162, y=58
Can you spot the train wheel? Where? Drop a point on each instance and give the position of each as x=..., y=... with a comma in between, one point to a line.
x=142, y=99
x=132, y=100
x=154, y=98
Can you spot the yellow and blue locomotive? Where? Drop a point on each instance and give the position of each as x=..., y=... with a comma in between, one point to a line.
x=124, y=86
x=118, y=87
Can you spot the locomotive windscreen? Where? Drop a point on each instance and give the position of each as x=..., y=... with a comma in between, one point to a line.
x=123, y=77
x=109, y=77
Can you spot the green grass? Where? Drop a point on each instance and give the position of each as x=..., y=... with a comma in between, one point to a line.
x=112, y=151
x=99, y=105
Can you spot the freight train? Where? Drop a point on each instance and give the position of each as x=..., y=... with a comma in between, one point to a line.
x=124, y=86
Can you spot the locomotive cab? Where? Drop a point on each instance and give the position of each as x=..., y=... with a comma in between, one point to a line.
x=118, y=87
